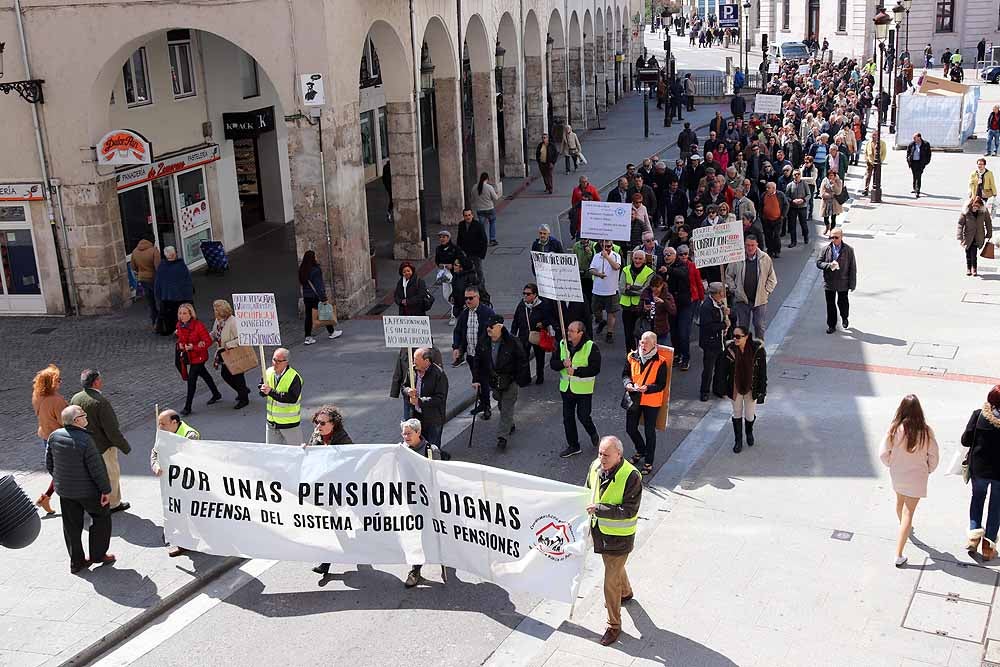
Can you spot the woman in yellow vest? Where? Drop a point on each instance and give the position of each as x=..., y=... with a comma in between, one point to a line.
x=633, y=279
x=644, y=378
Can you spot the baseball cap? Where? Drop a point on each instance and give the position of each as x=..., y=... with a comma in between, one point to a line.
x=494, y=319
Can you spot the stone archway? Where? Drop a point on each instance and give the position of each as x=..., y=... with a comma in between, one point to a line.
x=480, y=51
x=442, y=66
x=557, y=77
x=534, y=82
x=513, y=108
x=575, y=84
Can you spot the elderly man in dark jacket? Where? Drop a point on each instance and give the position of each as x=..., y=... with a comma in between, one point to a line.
x=429, y=401
x=469, y=329
x=840, y=275
x=918, y=156
x=712, y=327
x=173, y=287
x=505, y=368
x=82, y=483
x=104, y=430
x=616, y=488
x=472, y=242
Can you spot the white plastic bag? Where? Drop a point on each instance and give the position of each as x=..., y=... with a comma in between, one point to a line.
x=955, y=467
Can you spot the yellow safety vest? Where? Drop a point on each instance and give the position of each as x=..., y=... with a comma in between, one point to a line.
x=613, y=495
x=186, y=431
x=576, y=385
x=629, y=301
x=283, y=413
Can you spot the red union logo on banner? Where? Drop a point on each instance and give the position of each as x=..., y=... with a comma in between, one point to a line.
x=123, y=147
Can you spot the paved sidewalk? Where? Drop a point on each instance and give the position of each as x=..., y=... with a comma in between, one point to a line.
x=48, y=615
x=783, y=554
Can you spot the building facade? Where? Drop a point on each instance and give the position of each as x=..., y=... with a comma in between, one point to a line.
x=847, y=25
x=221, y=117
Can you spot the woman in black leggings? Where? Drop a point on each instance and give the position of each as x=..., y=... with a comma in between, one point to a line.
x=313, y=294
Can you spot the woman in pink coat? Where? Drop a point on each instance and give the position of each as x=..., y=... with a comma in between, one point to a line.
x=910, y=452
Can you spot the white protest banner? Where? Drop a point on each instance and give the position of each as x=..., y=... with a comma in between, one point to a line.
x=557, y=276
x=773, y=68
x=373, y=504
x=407, y=330
x=600, y=220
x=718, y=244
x=257, y=319
x=767, y=104
x=805, y=69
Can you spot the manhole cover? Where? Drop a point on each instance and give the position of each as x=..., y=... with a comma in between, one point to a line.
x=43, y=331
x=933, y=350
x=794, y=375
x=879, y=227
x=499, y=250
x=959, y=580
x=981, y=297
x=842, y=535
x=933, y=370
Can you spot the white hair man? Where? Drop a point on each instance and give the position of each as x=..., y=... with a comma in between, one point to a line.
x=282, y=386
x=616, y=488
x=412, y=438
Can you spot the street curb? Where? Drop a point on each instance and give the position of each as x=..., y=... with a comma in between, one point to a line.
x=141, y=621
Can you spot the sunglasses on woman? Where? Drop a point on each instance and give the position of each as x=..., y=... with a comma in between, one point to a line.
x=320, y=422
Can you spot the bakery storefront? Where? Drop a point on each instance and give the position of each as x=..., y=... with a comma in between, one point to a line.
x=168, y=199
x=20, y=282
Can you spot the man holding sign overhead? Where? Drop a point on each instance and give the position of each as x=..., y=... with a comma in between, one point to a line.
x=282, y=386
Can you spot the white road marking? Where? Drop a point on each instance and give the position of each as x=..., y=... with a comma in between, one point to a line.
x=183, y=615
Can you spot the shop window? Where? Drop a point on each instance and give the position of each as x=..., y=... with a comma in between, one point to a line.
x=12, y=214
x=757, y=18
x=248, y=76
x=135, y=73
x=181, y=63
x=137, y=218
x=841, y=15
x=17, y=261
x=368, y=137
x=383, y=133
x=945, y=16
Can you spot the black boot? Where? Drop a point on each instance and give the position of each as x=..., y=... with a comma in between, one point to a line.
x=738, y=435
x=750, y=424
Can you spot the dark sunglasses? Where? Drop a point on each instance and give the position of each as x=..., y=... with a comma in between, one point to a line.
x=320, y=422
x=470, y=298
x=738, y=336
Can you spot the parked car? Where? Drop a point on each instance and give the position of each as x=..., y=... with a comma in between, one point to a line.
x=789, y=51
x=990, y=74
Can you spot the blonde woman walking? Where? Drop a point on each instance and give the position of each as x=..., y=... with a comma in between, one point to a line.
x=48, y=404
x=910, y=451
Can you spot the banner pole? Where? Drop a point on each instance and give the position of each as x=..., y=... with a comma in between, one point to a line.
x=413, y=380
x=562, y=322
x=263, y=378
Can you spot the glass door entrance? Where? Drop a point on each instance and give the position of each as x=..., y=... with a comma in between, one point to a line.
x=20, y=287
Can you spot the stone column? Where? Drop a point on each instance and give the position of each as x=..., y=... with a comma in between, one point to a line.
x=513, y=123
x=484, y=109
x=557, y=89
x=575, y=87
x=588, y=83
x=449, y=129
x=351, y=284
x=534, y=90
x=94, y=228
x=601, y=63
x=610, y=75
x=403, y=155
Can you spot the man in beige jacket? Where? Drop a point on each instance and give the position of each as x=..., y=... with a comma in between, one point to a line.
x=751, y=283
x=145, y=259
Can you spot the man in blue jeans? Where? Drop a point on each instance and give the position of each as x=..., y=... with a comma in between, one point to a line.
x=993, y=131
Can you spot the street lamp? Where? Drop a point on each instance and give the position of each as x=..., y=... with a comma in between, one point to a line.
x=906, y=5
x=668, y=116
x=897, y=14
x=746, y=37
x=30, y=91
x=881, y=21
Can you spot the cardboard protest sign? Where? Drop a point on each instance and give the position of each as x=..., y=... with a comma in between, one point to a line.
x=718, y=244
x=557, y=276
x=407, y=330
x=257, y=319
x=767, y=104
x=600, y=220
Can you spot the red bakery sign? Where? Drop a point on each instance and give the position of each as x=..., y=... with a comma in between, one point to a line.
x=119, y=148
x=166, y=167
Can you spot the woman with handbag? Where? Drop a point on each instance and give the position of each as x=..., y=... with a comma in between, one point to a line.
x=193, y=342
x=233, y=360
x=975, y=229
x=830, y=192
x=910, y=451
x=658, y=308
x=644, y=378
x=411, y=293
x=532, y=319
x=741, y=376
x=982, y=437
x=314, y=294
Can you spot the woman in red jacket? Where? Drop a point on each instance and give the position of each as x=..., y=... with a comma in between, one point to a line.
x=193, y=342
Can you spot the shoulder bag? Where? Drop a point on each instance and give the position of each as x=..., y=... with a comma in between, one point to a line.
x=988, y=251
x=843, y=196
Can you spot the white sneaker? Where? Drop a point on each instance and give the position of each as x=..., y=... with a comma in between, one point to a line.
x=337, y=333
x=310, y=340
x=452, y=321
x=900, y=561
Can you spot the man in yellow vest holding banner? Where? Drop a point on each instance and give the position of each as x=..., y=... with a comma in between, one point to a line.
x=170, y=421
x=616, y=488
x=283, y=388
x=578, y=363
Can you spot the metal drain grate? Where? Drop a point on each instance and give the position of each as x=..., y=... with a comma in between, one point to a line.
x=842, y=535
x=953, y=600
x=789, y=374
x=933, y=370
x=500, y=250
x=43, y=331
